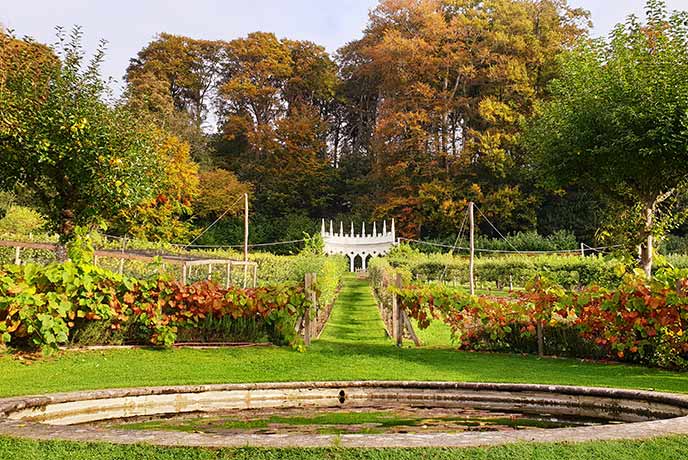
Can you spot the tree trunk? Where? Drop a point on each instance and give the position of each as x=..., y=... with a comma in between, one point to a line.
x=61, y=253
x=66, y=234
x=646, y=249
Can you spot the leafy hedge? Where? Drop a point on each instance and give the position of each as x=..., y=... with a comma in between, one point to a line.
x=46, y=306
x=272, y=269
x=639, y=321
x=521, y=241
x=569, y=271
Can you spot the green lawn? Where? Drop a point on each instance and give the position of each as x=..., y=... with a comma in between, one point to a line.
x=352, y=347
x=437, y=335
x=658, y=449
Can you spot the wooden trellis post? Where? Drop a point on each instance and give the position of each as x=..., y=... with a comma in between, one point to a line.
x=540, y=333
x=397, y=319
x=313, y=297
x=308, y=282
x=540, y=340
x=471, y=263
x=17, y=255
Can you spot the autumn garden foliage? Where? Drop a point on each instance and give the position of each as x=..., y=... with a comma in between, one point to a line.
x=79, y=303
x=637, y=320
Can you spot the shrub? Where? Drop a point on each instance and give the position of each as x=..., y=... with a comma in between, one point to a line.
x=674, y=244
x=46, y=306
x=21, y=221
x=560, y=240
x=569, y=271
x=638, y=321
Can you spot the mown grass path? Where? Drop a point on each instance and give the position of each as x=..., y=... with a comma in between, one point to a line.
x=355, y=318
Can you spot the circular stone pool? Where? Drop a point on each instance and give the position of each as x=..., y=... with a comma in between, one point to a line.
x=352, y=414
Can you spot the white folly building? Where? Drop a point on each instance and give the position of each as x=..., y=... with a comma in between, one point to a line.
x=361, y=245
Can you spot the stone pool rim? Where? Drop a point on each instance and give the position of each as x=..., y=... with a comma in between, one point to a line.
x=19, y=428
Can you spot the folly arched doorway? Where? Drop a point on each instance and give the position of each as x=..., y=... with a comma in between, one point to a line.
x=359, y=248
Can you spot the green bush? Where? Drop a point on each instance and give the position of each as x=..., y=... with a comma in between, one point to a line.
x=638, y=321
x=522, y=241
x=20, y=221
x=674, y=244
x=502, y=271
x=46, y=306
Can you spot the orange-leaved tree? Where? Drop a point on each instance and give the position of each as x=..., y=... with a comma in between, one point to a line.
x=167, y=216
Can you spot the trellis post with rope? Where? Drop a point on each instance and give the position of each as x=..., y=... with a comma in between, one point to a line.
x=245, y=236
x=471, y=264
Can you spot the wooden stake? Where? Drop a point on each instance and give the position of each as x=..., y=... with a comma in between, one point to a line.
x=409, y=328
x=397, y=318
x=307, y=313
x=314, y=295
x=229, y=275
x=17, y=254
x=471, y=265
x=184, y=273
x=245, y=227
x=540, y=340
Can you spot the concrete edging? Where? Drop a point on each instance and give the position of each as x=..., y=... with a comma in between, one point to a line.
x=48, y=417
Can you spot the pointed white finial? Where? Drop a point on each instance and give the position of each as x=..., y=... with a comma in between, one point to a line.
x=341, y=228
x=363, y=232
x=374, y=228
x=331, y=229
x=393, y=232
x=352, y=229
x=384, y=227
x=322, y=229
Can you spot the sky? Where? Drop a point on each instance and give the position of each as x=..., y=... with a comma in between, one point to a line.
x=128, y=25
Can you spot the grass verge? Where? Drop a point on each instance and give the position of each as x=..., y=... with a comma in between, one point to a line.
x=663, y=448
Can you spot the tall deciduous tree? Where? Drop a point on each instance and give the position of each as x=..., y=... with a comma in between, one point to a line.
x=189, y=67
x=219, y=191
x=165, y=217
x=443, y=86
x=276, y=100
x=173, y=80
x=618, y=123
x=82, y=159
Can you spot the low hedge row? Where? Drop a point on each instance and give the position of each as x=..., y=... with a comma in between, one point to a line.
x=46, y=306
x=571, y=271
x=639, y=321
